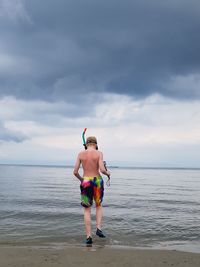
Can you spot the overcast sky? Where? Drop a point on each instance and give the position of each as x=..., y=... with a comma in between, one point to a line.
x=128, y=70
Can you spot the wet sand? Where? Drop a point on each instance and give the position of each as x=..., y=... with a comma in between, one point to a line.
x=45, y=256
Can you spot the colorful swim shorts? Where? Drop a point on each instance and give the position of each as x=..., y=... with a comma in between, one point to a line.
x=92, y=188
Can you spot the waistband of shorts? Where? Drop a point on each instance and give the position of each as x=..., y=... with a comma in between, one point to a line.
x=91, y=178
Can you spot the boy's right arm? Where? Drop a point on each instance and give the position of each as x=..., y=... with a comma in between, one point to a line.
x=101, y=165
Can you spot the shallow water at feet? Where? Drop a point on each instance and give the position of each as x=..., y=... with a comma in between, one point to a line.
x=156, y=208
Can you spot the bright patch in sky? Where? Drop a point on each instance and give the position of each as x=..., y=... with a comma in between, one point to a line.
x=156, y=131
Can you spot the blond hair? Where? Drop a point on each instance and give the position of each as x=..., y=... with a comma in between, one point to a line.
x=91, y=140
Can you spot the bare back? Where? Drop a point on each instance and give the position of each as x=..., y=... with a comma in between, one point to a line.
x=90, y=162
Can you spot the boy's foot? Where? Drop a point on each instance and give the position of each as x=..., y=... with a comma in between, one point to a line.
x=100, y=233
x=88, y=240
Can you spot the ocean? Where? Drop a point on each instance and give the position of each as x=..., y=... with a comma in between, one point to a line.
x=143, y=208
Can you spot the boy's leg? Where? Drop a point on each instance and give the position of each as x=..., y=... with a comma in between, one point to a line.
x=98, y=221
x=98, y=216
x=98, y=197
x=87, y=220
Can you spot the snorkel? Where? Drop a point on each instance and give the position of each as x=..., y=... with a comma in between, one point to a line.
x=83, y=137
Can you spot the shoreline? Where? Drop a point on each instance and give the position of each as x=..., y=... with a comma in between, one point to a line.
x=99, y=244
x=49, y=255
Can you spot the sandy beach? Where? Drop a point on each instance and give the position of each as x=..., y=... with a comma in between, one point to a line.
x=44, y=256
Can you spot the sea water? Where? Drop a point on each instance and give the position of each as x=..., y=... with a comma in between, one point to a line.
x=151, y=208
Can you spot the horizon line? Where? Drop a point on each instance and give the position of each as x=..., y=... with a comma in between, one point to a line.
x=110, y=166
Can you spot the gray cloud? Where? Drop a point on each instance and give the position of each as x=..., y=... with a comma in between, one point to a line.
x=61, y=49
x=7, y=135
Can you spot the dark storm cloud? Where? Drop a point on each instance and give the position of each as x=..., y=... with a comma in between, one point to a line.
x=66, y=49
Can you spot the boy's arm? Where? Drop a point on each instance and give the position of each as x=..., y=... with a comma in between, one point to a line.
x=101, y=165
x=76, y=169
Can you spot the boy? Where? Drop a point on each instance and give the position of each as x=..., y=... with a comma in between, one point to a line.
x=92, y=185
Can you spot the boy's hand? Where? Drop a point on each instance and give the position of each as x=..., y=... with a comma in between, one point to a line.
x=108, y=173
x=81, y=179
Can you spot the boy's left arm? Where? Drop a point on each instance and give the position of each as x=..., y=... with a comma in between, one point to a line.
x=76, y=169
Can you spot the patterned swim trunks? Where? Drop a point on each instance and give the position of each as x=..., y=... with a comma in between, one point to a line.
x=92, y=188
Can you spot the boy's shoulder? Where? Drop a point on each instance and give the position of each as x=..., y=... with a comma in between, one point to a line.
x=82, y=152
